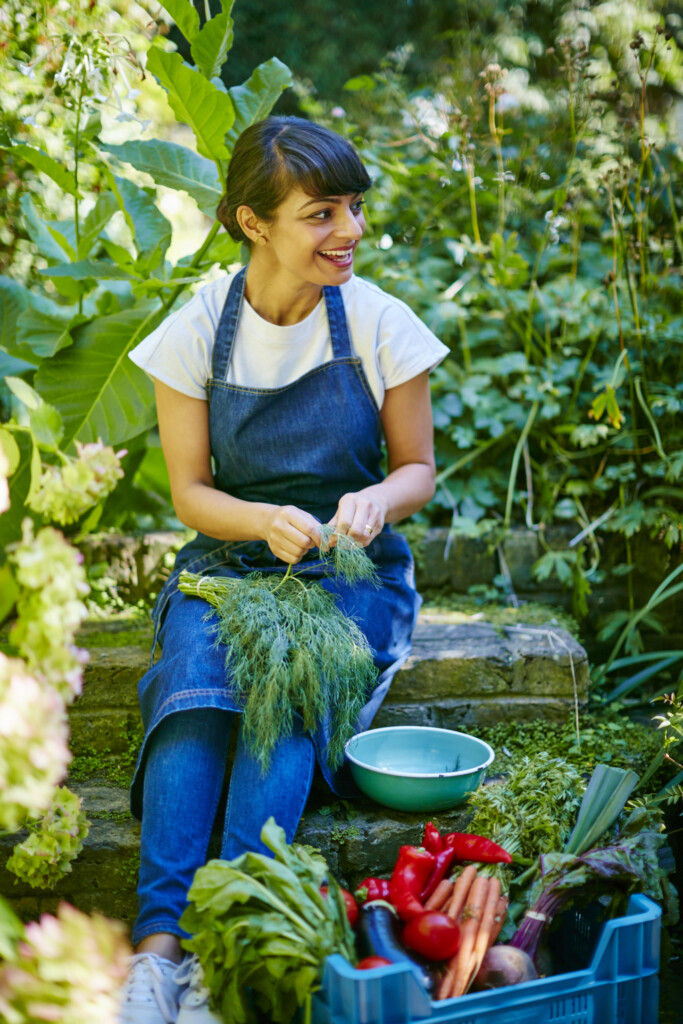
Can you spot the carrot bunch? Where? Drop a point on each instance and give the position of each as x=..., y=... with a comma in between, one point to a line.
x=476, y=903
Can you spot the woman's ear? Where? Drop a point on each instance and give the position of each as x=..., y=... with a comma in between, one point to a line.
x=252, y=226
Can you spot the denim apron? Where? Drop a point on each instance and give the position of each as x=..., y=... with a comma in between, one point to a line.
x=305, y=444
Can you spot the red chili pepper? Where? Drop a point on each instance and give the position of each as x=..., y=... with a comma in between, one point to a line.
x=477, y=848
x=411, y=874
x=372, y=889
x=432, y=839
x=442, y=863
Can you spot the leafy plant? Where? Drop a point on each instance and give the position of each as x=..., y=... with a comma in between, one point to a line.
x=262, y=929
x=97, y=290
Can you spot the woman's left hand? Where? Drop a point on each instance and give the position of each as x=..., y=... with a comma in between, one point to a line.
x=361, y=517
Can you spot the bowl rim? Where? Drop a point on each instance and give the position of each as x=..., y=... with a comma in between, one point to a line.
x=418, y=775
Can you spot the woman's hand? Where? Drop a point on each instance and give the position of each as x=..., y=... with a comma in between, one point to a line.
x=291, y=532
x=360, y=515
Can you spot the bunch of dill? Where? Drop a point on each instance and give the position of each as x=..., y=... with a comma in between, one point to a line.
x=290, y=649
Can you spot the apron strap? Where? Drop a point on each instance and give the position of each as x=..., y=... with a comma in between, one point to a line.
x=227, y=327
x=336, y=316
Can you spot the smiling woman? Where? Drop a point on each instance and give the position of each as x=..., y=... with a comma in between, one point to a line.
x=275, y=387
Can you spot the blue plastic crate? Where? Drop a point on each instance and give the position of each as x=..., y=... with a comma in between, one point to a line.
x=619, y=986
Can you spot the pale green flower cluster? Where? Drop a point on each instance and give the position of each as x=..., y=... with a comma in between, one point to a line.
x=33, y=744
x=53, y=843
x=4, y=488
x=67, y=491
x=69, y=969
x=50, y=608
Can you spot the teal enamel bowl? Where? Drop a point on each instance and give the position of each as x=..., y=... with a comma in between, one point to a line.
x=417, y=768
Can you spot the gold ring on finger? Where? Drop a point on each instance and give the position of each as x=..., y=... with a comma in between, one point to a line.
x=368, y=528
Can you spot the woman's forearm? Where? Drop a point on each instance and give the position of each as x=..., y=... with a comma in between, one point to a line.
x=404, y=491
x=222, y=516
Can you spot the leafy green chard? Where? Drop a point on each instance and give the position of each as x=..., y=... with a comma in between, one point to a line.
x=290, y=650
x=262, y=929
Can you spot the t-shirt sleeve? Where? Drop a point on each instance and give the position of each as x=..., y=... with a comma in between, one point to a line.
x=178, y=353
x=405, y=346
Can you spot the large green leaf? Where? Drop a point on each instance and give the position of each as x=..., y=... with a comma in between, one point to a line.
x=42, y=162
x=256, y=97
x=195, y=101
x=83, y=269
x=175, y=167
x=185, y=16
x=14, y=299
x=149, y=226
x=43, y=328
x=95, y=223
x=95, y=386
x=210, y=47
x=38, y=233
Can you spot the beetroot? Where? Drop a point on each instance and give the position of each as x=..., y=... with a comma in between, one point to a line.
x=504, y=965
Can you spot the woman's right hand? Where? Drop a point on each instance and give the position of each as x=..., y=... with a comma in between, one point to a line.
x=290, y=533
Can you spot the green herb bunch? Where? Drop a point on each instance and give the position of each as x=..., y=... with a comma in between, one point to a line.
x=533, y=810
x=262, y=929
x=290, y=649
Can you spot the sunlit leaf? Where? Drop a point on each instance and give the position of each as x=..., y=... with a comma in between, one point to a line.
x=175, y=167
x=42, y=162
x=195, y=102
x=95, y=386
x=256, y=97
x=211, y=45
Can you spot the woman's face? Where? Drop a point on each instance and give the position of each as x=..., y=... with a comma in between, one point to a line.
x=313, y=240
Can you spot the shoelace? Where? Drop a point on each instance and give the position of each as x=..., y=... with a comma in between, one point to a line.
x=145, y=974
x=190, y=973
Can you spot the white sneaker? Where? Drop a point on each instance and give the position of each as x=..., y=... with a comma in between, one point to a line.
x=194, y=1002
x=150, y=992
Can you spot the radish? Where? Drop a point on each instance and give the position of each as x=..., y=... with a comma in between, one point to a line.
x=504, y=965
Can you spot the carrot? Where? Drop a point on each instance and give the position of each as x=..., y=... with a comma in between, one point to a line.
x=486, y=925
x=440, y=896
x=499, y=918
x=463, y=884
x=457, y=973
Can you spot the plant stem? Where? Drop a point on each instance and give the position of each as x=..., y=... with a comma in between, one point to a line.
x=77, y=138
x=515, y=461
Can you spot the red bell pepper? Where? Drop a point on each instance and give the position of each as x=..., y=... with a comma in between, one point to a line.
x=371, y=889
x=410, y=876
x=469, y=847
x=432, y=839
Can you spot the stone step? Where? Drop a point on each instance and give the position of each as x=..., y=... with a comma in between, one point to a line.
x=356, y=839
x=461, y=673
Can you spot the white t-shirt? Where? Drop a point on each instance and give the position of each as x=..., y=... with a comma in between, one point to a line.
x=391, y=341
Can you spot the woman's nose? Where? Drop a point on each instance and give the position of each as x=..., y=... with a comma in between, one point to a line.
x=351, y=223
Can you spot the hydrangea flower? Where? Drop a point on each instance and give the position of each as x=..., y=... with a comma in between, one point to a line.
x=33, y=744
x=66, y=492
x=68, y=969
x=50, y=608
x=4, y=487
x=45, y=857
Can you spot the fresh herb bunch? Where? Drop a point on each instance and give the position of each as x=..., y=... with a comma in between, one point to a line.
x=262, y=929
x=291, y=650
x=532, y=811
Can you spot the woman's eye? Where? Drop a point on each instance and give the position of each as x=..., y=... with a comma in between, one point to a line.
x=358, y=206
x=321, y=215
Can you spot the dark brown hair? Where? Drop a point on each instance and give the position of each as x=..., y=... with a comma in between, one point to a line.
x=280, y=153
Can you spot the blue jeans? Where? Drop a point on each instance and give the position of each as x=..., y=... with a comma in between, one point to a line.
x=183, y=780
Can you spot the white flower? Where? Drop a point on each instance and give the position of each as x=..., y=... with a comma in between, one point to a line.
x=27, y=70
